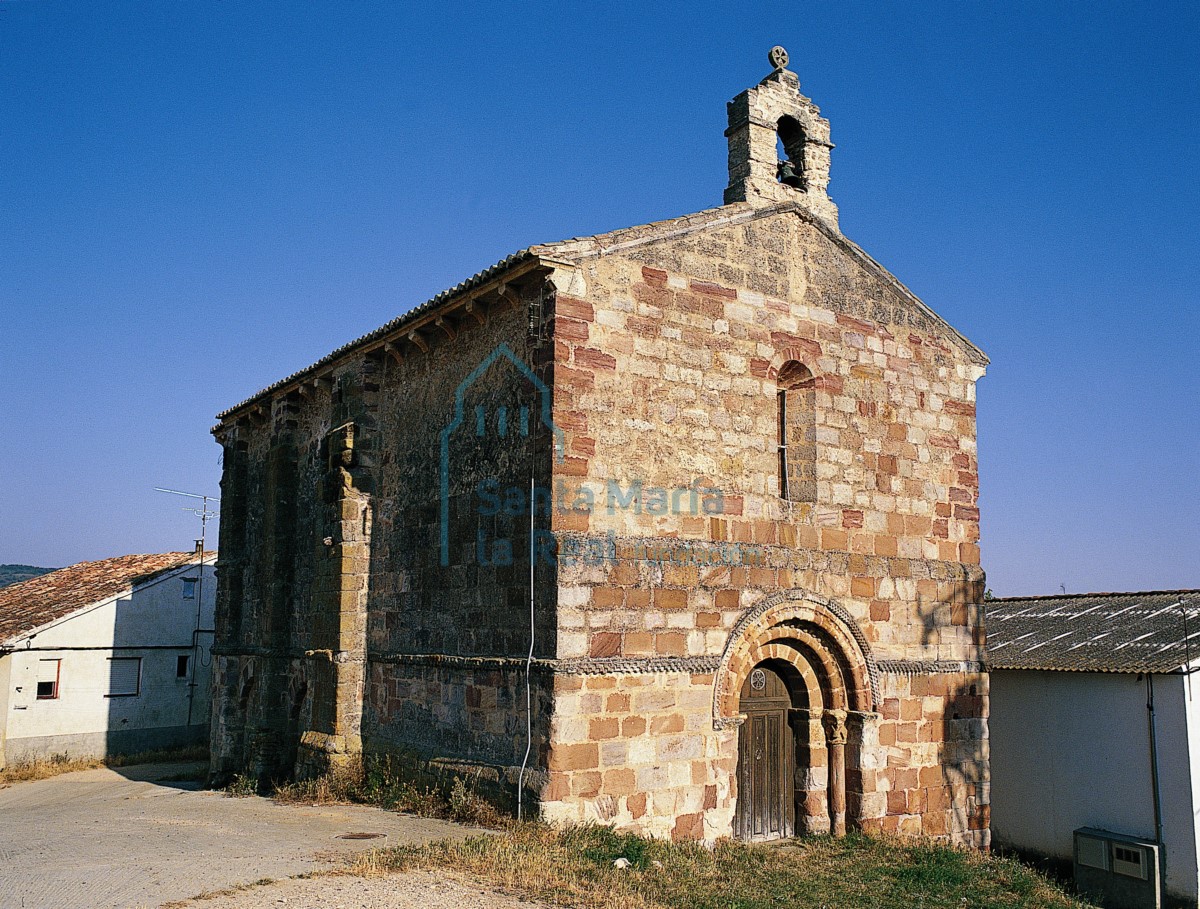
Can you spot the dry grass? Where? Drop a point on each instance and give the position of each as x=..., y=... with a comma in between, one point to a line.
x=217, y=894
x=387, y=783
x=574, y=867
x=60, y=763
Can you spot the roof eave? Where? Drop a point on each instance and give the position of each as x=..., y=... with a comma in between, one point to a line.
x=568, y=253
x=1113, y=670
x=482, y=283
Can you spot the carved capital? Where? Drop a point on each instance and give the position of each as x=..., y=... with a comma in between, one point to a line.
x=834, y=722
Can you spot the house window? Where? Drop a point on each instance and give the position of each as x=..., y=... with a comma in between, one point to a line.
x=47, y=680
x=124, y=677
x=797, y=417
x=181, y=666
x=189, y=588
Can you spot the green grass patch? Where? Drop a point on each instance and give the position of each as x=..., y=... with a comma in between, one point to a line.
x=574, y=867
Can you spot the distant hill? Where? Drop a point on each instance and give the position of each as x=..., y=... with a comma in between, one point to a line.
x=12, y=574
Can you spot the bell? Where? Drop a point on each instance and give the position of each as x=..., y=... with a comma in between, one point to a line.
x=788, y=175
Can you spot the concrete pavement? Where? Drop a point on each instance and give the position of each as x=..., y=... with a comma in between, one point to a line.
x=132, y=838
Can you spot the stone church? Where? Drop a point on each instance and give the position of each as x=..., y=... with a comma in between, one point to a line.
x=673, y=528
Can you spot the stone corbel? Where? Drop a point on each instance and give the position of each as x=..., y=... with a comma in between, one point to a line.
x=477, y=309
x=447, y=327
x=509, y=294
x=260, y=415
x=418, y=341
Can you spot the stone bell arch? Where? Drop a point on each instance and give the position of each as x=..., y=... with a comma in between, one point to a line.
x=809, y=653
x=770, y=114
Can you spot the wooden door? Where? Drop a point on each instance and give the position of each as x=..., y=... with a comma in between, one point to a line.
x=766, y=760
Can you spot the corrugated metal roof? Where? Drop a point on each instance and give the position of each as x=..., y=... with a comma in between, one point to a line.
x=1156, y=631
x=31, y=604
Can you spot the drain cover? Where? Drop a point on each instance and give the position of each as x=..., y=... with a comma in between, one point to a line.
x=360, y=836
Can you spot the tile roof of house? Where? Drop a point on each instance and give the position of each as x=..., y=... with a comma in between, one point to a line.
x=32, y=604
x=1157, y=631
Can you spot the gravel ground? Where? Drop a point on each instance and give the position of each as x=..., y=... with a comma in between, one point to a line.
x=415, y=890
x=138, y=837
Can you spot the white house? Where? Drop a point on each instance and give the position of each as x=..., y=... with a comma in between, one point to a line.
x=1095, y=722
x=107, y=657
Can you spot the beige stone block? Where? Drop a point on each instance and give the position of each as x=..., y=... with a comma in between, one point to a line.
x=572, y=645
x=653, y=701
x=614, y=753
x=642, y=750
x=652, y=780
x=666, y=724
x=679, y=747
x=696, y=698
x=569, y=729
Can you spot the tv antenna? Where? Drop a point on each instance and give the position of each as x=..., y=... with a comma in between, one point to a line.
x=204, y=514
x=203, y=511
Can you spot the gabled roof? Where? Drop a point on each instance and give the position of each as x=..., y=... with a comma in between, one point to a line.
x=35, y=603
x=578, y=249
x=581, y=248
x=1158, y=631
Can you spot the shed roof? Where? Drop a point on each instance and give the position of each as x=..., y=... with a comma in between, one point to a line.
x=35, y=603
x=1155, y=631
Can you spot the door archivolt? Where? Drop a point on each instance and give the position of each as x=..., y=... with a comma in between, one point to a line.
x=818, y=638
x=793, y=675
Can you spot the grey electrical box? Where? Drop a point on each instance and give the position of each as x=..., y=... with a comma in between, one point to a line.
x=1117, y=871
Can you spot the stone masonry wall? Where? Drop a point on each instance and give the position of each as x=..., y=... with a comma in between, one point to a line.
x=339, y=628
x=640, y=752
x=666, y=362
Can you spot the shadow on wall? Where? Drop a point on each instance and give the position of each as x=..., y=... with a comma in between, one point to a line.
x=956, y=607
x=156, y=680
x=340, y=629
x=965, y=760
x=469, y=707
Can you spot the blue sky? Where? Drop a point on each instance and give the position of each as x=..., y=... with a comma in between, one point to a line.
x=199, y=198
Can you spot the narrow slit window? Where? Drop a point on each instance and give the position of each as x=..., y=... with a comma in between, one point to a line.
x=783, y=449
x=49, y=672
x=182, y=664
x=797, y=443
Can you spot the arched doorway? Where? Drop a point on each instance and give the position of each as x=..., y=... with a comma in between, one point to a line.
x=797, y=684
x=766, y=768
